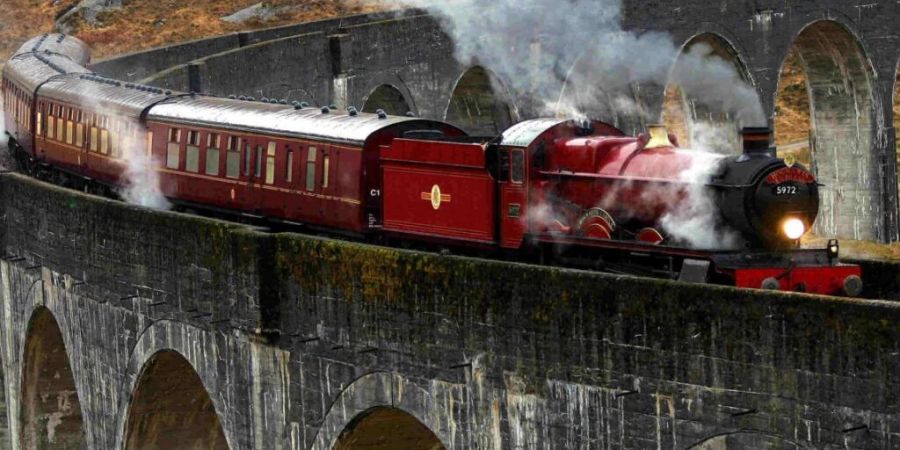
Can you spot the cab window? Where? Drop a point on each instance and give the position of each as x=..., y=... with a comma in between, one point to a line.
x=503, y=165
x=517, y=172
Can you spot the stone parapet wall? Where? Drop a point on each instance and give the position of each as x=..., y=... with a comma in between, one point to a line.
x=293, y=336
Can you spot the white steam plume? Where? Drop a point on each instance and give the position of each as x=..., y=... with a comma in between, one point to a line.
x=3, y=136
x=6, y=161
x=538, y=47
x=695, y=219
x=140, y=180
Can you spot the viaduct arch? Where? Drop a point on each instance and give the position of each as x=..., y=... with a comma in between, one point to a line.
x=479, y=103
x=693, y=120
x=842, y=112
x=388, y=98
x=381, y=411
x=171, y=408
x=51, y=411
x=385, y=428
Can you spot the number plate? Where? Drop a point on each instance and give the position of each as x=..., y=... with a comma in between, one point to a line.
x=785, y=190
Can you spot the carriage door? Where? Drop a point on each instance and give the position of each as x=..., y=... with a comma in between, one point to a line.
x=513, y=197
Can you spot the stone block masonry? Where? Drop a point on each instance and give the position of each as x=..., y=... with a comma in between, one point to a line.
x=295, y=342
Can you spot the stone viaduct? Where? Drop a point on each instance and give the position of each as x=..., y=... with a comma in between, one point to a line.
x=129, y=328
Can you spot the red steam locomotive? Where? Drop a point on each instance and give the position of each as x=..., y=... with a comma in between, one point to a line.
x=576, y=191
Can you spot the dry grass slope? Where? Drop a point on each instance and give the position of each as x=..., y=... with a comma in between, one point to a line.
x=142, y=24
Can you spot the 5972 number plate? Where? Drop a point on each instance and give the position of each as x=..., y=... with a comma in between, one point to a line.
x=785, y=190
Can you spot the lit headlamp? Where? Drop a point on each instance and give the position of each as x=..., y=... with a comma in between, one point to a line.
x=793, y=228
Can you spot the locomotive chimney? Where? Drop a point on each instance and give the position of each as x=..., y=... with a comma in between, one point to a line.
x=757, y=141
x=659, y=137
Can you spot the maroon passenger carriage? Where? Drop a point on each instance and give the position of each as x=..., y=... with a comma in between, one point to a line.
x=575, y=191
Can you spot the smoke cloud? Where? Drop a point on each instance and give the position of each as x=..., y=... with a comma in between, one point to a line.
x=574, y=57
x=3, y=137
x=696, y=220
x=5, y=156
x=140, y=184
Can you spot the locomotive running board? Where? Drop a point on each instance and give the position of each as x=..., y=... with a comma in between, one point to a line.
x=803, y=270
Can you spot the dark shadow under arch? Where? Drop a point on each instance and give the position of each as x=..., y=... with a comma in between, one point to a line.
x=171, y=408
x=388, y=98
x=741, y=440
x=51, y=411
x=693, y=121
x=476, y=107
x=386, y=428
x=838, y=81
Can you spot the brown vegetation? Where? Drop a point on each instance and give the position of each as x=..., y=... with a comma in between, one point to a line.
x=142, y=24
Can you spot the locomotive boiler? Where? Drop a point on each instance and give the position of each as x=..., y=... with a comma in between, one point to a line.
x=553, y=190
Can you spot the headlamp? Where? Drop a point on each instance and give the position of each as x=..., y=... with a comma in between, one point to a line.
x=793, y=228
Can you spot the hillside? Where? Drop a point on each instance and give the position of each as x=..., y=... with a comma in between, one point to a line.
x=142, y=24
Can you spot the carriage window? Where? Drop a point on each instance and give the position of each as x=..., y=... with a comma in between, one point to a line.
x=518, y=166
x=270, y=163
x=51, y=126
x=40, y=123
x=257, y=171
x=233, y=164
x=234, y=143
x=104, y=142
x=212, y=154
x=60, y=123
x=503, y=165
x=174, y=135
x=113, y=146
x=193, y=138
x=213, y=140
x=70, y=133
x=79, y=134
x=192, y=152
x=289, y=167
x=95, y=139
x=192, y=158
x=70, y=127
x=173, y=155
x=247, y=160
x=324, y=171
x=311, y=169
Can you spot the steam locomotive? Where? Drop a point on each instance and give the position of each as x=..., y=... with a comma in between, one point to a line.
x=576, y=191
